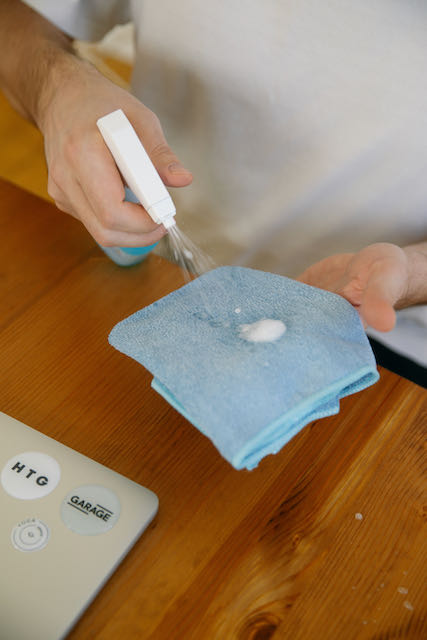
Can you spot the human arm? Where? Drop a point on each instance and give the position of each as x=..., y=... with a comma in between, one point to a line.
x=64, y=96
x=377, y=280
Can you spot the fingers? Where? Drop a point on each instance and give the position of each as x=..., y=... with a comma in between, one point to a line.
x=377, y=312
x=104, y=191
x=329, y=273
x=83, y=178
x=170, y=169
x=107, y=234
x=387, y=280
x=379, y=297
x=108, y=219
x=96, y=197
x=120, y=221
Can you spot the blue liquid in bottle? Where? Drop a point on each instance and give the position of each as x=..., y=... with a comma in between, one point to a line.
x=127, y=256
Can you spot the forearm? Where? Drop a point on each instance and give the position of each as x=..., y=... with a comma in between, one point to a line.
x=32, y=53
x=416, y=293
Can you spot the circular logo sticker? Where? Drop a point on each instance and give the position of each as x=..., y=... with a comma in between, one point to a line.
x=30, y=475
x=30, y=535
x=90, y=509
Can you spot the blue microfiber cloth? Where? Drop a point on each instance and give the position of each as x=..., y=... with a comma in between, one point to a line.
x=249, y=398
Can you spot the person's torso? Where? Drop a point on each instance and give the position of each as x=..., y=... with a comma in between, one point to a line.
x=305, y=123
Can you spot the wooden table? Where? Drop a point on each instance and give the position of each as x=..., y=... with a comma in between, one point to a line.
x=323, y=540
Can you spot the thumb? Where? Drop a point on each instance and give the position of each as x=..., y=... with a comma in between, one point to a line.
x=170, y=169
x=168, y=166
x=377, y=309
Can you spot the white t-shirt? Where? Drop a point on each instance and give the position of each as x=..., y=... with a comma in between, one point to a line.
x=303, y=122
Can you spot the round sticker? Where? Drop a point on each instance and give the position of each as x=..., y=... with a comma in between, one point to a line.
x=30, y=475
x=90, y=509
x=30, y=535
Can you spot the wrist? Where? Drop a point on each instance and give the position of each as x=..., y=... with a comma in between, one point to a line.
x=62, y=68
x=416, y=290
x=31, y=46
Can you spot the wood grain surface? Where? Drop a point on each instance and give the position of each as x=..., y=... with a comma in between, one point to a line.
x=325, y=540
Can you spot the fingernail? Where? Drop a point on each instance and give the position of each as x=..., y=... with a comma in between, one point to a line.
x=177, y=167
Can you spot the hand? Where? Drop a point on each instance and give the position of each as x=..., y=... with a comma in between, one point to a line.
x=83, y=178
x=375, y=280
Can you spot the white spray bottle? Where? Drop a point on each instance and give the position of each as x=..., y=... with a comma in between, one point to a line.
x=144, y=183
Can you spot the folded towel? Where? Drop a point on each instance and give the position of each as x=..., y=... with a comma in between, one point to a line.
x=250, y=357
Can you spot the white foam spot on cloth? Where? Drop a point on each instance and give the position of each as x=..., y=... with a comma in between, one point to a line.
x=265, y=330
x=358, y=516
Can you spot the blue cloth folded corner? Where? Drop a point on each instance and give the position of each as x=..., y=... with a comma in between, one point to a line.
x=250, y=398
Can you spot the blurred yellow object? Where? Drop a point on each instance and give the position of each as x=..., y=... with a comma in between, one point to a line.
x=22, y=155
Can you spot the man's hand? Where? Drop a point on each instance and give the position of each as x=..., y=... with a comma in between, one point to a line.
x=83, y=178
x=64, y=96
x=376, y=280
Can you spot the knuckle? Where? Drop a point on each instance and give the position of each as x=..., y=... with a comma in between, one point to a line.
x=103, y=237
x=160, y=149
x=59, y=205
x=156, y=124
x=53, y=189
x=72, y=146
x=107, y=218
x=55, y=175
x=150, y=115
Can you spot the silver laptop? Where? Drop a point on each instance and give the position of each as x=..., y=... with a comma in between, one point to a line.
x=66, y=522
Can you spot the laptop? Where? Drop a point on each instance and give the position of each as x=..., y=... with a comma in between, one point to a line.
x=66, y=522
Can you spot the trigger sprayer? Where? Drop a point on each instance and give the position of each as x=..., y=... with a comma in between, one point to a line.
x=144, y=183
